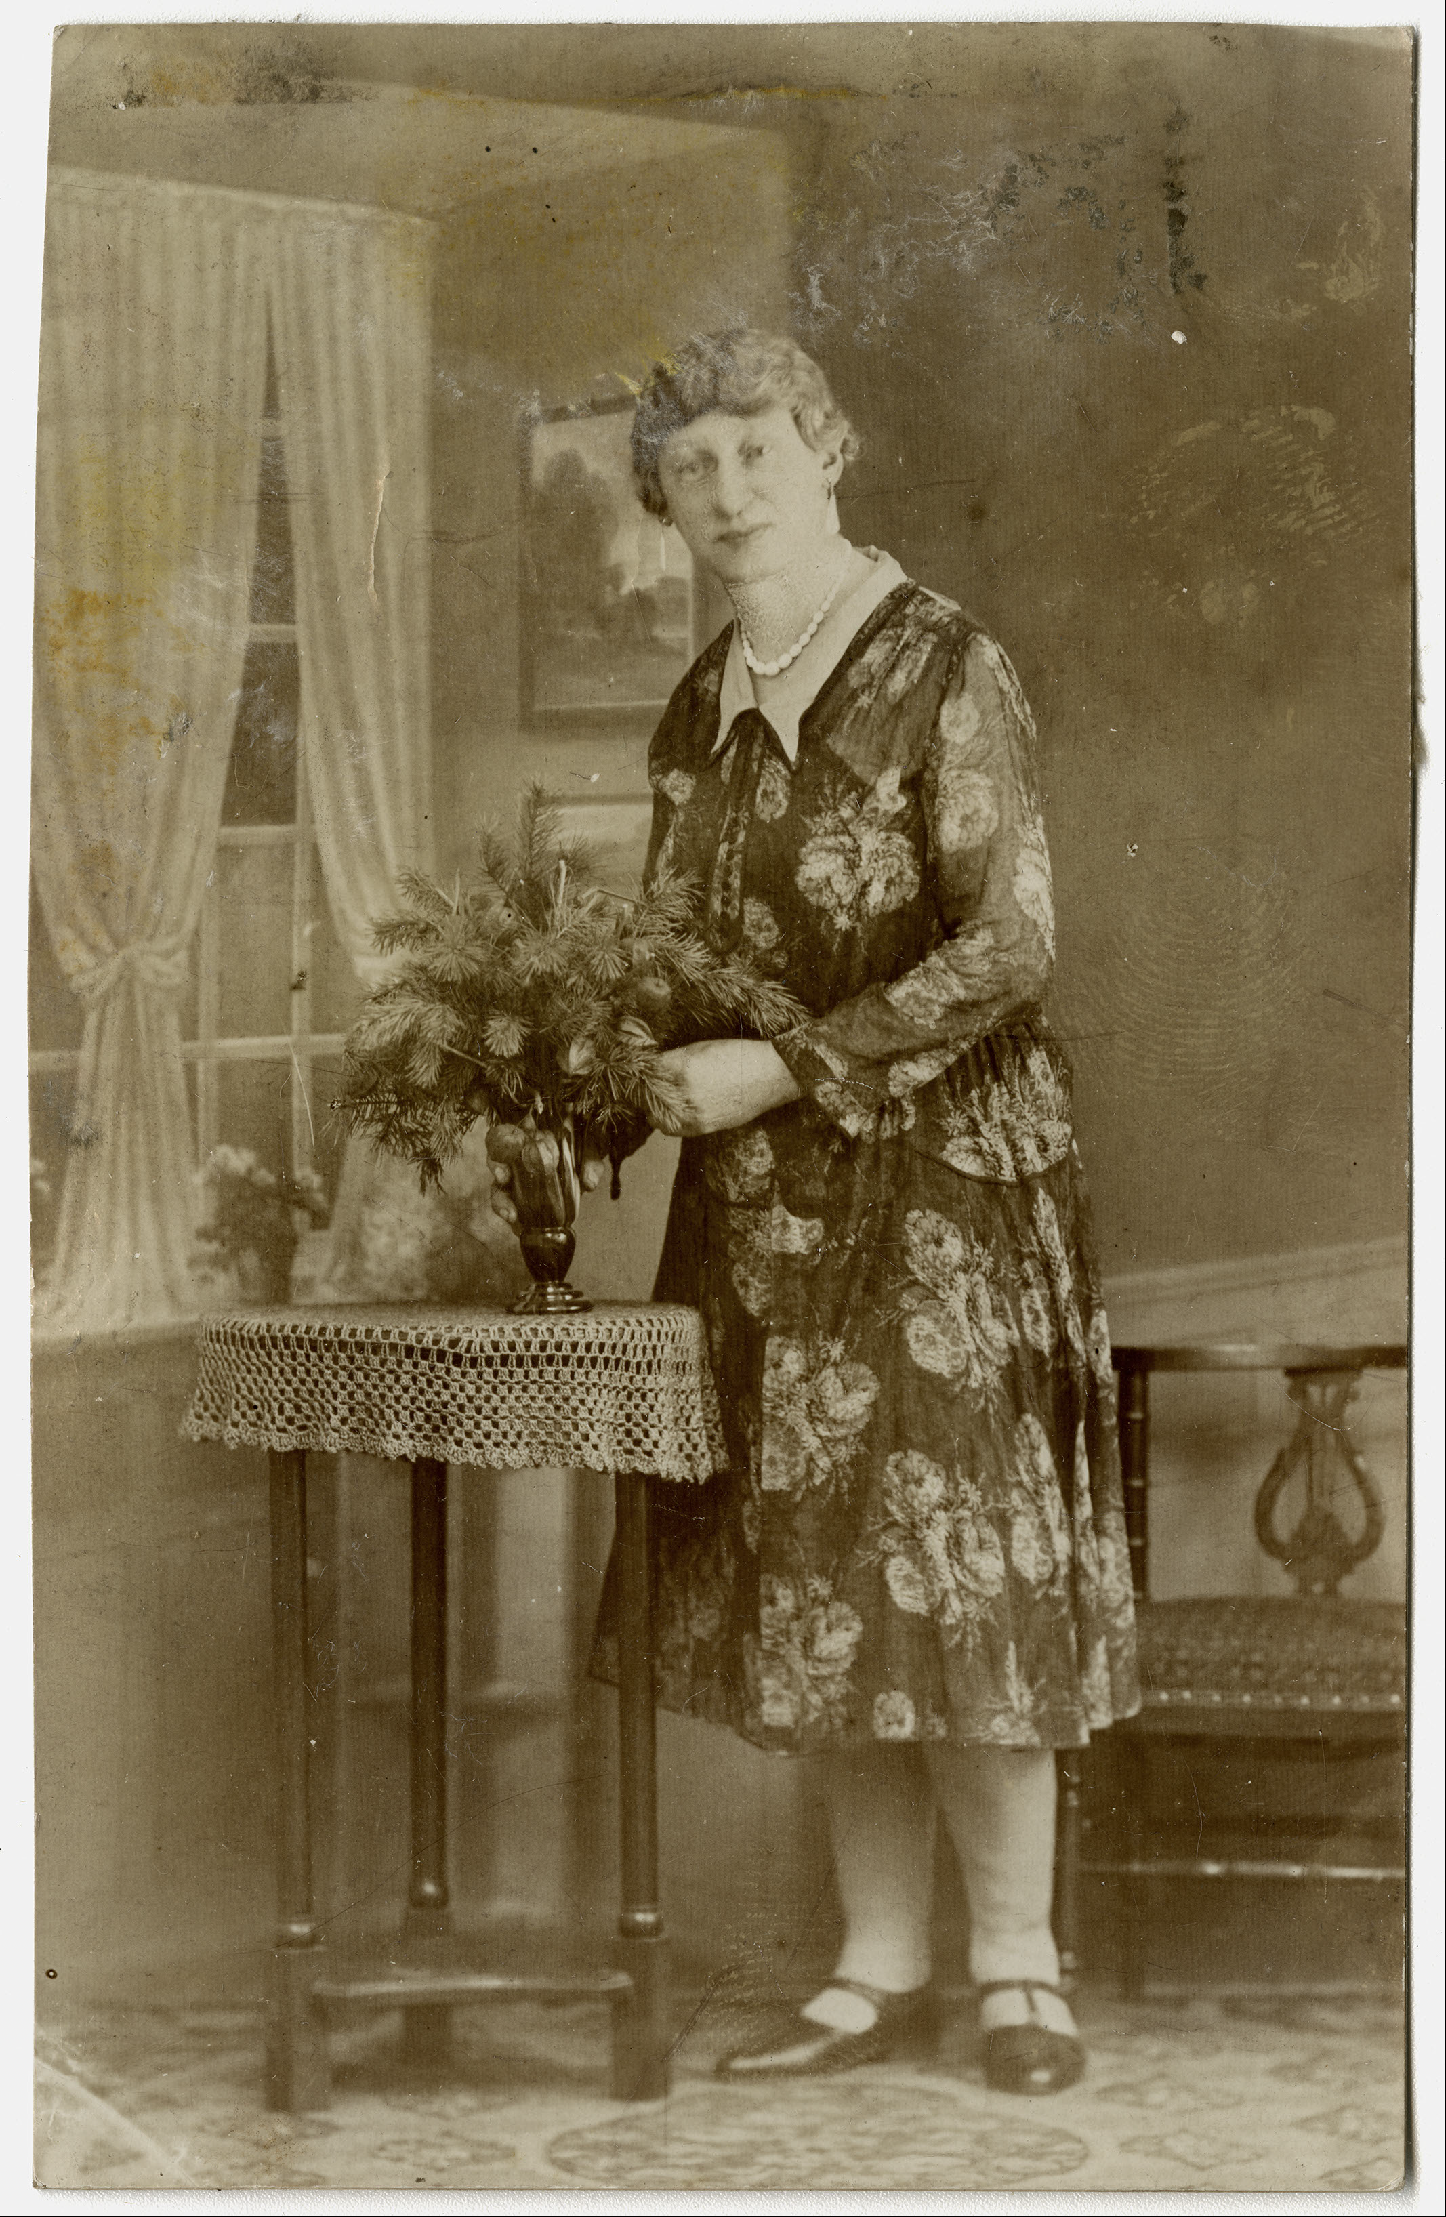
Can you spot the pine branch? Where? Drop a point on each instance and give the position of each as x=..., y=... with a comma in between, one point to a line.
x=425, y=895
x=390, y=934
x=495, y=858
x=539, y=829
x=504, y=1034
x=536, y=991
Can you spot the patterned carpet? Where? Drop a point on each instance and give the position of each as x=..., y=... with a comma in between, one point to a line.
x=1218, y=2095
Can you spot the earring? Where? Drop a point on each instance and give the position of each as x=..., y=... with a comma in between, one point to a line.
x=831, y=522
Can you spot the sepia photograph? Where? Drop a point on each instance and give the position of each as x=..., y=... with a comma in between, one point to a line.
x=721, y=889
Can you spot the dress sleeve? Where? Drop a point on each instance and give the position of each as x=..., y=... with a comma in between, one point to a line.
x=990, y=870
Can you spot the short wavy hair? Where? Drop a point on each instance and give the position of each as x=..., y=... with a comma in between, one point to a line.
x=741, y=372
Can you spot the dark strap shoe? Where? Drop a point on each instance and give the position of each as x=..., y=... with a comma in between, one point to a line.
x=1029, y=2058
x=793, y=2046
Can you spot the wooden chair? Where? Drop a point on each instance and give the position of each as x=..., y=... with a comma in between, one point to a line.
x=1308, y=1674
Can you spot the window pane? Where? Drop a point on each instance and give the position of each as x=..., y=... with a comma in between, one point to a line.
x=254, y=1102
x=326, y=1082
x=56, y=1016
x=273, y=584
x=261, y=778
x=253, y=892
x=335, y=988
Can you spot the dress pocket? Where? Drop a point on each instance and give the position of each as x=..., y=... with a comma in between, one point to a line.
x=1002, y=1112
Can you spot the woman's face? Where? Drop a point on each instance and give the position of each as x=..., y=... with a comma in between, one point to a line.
x=748, y=495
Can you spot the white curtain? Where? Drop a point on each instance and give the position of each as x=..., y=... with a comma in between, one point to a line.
x=352, y=325
x=152, y=387
x=152, y=381
x=352, y=322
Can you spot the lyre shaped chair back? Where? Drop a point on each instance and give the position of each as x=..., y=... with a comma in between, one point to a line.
x=1312, y=1674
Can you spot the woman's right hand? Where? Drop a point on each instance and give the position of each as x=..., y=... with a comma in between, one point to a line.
x=501, y=1203
x=505, y=1143
x=506, y=1146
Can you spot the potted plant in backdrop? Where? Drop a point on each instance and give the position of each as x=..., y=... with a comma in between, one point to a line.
x=255, y=1219
x=540, y=999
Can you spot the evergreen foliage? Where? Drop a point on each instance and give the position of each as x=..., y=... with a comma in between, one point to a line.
x=536, y=994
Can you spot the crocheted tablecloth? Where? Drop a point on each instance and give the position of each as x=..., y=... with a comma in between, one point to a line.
x=615, y=1389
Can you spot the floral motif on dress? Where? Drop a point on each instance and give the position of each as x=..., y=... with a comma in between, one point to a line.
x=852, y=864
x=1061, y=1273
x=740, y=1165
x=1035, y=1295
x=807, y=1643
x=815, y=1407
x=1006, y=678
x=957, y=1322
x=1014, y=1724
x=794, y=1235
x=751, y=1262
x=762, y=938
x=894, y=1717
x=942, y=1556
x=677, y=786
x=960, y=725
x=775, y=791
x=693, y=1614
x=1116, y=1590
x=938, y=985
x=1097, y=1342
x=1013, y=1126
x=1033, y=885
x=968, y=805
x=917, y=1071
x=755, y=1241
x=1039, y=1535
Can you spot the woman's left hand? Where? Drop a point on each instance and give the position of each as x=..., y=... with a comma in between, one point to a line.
x=721, y=1083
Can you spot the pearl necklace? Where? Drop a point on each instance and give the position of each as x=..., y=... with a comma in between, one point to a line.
x=776, y=669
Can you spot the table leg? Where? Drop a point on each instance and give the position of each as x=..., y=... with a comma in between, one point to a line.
x=640, y=2025
x=1135, y=1472
x=297, y=2074
x=428, y=2031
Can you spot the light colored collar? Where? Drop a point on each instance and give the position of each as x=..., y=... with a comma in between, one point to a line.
x=796, y=691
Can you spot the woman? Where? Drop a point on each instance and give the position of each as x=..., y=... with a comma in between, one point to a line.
x=916, y=1564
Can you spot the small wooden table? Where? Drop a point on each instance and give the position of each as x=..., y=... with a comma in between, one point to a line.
x=622, y=1390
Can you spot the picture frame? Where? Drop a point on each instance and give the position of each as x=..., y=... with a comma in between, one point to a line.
x=610, y=615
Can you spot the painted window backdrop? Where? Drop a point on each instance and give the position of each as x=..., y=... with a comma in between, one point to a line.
x=274, y=992
x=271, y=993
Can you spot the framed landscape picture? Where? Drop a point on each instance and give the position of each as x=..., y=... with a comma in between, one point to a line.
x=608, y=592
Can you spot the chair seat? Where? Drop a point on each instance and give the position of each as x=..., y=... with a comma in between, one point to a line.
x=1309, y=1662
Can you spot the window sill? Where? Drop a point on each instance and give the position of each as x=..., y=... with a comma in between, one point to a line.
x=131, y=1359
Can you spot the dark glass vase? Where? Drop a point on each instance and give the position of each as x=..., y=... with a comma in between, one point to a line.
x=545, y=1191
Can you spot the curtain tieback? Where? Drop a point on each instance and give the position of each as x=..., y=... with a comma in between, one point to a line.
x=164, y=970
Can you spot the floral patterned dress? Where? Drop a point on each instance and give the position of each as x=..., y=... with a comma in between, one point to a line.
x=921, y=1536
